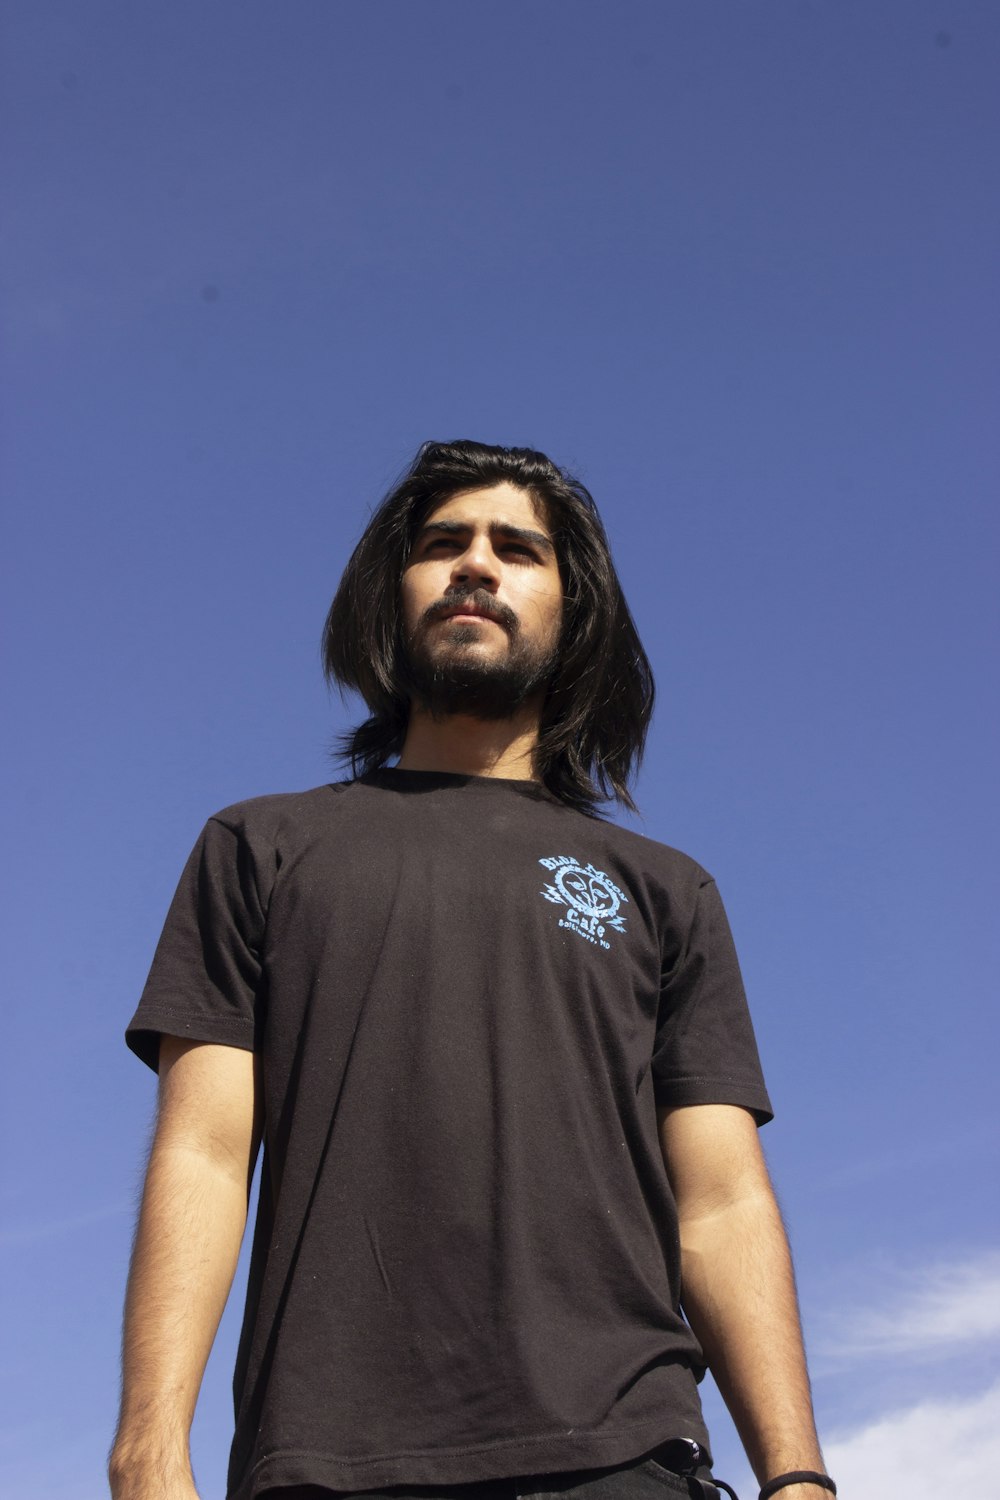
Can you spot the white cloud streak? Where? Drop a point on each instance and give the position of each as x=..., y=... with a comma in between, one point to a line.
x=47, y=1229
x=936, y=1448
x=940, y=1310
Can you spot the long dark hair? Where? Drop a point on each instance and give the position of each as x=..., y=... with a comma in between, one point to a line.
x=600, y=698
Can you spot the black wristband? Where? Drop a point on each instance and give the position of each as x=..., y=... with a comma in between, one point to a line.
x=797, y=1476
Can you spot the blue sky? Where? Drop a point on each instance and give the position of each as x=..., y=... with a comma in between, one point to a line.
x=732, y=263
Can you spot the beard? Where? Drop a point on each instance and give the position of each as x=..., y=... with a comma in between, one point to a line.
x=449, y=675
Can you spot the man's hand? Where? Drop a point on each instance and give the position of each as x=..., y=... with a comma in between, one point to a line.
x=804, y=1491
x=191, y=1224
x=737, y=1286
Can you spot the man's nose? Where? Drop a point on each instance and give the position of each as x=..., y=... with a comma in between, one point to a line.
x=477, y=566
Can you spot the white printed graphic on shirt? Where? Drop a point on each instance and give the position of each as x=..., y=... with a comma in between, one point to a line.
x=591, y=899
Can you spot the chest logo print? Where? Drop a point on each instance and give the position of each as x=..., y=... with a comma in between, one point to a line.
x=592, y=900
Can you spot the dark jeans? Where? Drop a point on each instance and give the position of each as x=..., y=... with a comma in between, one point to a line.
x=638, y=1479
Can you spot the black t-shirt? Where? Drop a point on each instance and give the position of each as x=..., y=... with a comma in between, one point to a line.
x=468, y=1000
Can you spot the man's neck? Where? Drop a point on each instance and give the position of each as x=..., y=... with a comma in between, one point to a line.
x=472, y=747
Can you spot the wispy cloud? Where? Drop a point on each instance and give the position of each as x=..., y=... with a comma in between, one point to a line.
x=46, y=1229
x=932, y=1312
x=937, y=1447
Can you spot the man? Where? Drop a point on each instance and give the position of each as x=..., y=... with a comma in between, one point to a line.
x=497, y=1049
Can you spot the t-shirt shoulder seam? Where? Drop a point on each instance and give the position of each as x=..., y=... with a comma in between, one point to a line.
x=234, y=813
x=660, y=849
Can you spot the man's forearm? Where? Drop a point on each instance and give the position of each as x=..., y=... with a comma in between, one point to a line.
x=739, y=1296
x=187, y=1245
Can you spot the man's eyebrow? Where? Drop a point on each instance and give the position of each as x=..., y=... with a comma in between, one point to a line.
x=495, y=529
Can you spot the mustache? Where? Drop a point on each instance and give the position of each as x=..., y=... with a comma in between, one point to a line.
x=480, y=600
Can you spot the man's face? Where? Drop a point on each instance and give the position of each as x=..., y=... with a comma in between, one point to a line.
x=482, y=603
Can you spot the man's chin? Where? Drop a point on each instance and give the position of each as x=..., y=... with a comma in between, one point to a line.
x=471, y=656
x=474, y=686
x=487, y=699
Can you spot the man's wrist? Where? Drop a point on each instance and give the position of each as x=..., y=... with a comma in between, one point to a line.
x=140, y=1467
x=799, y=1484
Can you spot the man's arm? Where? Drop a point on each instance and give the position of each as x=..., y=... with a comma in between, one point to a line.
x=194, y=1211
x=737, y=1286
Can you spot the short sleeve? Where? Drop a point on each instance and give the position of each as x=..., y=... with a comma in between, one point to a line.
x=705, y=1051
x=205, y=975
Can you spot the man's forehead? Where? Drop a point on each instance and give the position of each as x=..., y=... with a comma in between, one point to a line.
x=497, y=507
